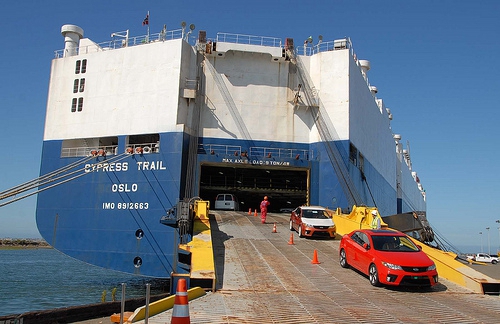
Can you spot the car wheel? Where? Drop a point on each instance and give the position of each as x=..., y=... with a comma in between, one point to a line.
x=299, y=230
x=343, y=259
x=373, y=274
x=291, y=225
x=494, y=261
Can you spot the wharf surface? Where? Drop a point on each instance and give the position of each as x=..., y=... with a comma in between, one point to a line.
x=261, y=278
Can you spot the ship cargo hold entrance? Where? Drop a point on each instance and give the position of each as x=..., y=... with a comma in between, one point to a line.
x=286, y=188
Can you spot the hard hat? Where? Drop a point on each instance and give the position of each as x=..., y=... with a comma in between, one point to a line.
x=265, y=197
x=374, y=212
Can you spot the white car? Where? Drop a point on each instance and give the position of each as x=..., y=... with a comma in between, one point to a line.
x=485, y=257
x=312, y=221
x=227, y=202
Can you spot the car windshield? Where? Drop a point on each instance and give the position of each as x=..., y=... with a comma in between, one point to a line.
x=315, y=213
x=393, y=243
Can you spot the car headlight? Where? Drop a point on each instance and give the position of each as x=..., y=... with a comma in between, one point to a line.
x=392, y=266
x=432, y=267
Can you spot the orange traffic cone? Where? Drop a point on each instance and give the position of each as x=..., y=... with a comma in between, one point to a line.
x=274, y=228
x=180, y=312
x=255, y=213
x=290, y=242
x=249, y=211
x=315, y=258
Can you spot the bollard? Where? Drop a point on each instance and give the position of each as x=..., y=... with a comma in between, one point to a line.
x=122, y=303
x=146, y=316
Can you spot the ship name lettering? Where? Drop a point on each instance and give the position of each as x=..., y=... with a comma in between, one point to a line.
x=150, y=166
x=106, y=167
x=124, y=187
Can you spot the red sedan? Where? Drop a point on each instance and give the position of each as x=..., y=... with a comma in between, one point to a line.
x=387, y=257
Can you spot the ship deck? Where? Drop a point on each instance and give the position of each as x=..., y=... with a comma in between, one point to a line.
x=263, y=279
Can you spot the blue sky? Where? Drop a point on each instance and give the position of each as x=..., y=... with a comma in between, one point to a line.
x=433, y=62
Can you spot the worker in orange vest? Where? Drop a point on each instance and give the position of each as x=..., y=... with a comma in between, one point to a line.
x=263, y=209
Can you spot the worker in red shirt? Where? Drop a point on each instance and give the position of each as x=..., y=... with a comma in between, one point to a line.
x=263, y=209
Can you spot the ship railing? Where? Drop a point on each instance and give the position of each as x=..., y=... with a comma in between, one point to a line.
x=255, y=152
x=219, y=149
x=67, y=152
x=249, y=39
x=144, y=148
x=284, y=153
x=335, y=45
x=120, y=42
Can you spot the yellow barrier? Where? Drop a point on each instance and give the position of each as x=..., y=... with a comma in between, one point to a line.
x=162, y=305
x=360, y=217
x=459, y=273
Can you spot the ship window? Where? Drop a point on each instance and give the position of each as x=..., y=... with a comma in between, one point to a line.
x=149, y=143
x=85, y=146
x=84, y=66
x=75, y=86
x=361, y=162
x=73, y=105
x=80, y=104
x=81, y=66
x=77, y=68
x=82, y=84
x=353, y=154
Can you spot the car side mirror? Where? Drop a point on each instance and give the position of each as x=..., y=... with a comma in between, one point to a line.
x=419, y=247
x=366, y=246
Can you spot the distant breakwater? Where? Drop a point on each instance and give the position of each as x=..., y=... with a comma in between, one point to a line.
x=22, y=243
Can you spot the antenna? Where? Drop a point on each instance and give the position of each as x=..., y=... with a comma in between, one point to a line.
x=122, y=34
x=163, y=32
x=183, y=25
x=191, y=28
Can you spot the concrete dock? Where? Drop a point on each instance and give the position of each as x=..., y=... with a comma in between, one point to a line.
x=261, y=278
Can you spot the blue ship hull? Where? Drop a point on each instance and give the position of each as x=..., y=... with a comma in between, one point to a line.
x=110, y=217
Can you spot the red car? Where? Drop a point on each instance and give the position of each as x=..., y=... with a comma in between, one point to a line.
x=388, y=257
x=312, y=221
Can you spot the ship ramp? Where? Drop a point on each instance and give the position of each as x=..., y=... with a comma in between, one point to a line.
x=447, y=263
x=262, y=278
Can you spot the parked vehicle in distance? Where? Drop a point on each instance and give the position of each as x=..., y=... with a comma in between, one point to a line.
x=485, y=257
x=312, y=221
x=387, y=257
x=227, y=202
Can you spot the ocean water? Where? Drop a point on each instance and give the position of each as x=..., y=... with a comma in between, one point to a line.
x=41, y=279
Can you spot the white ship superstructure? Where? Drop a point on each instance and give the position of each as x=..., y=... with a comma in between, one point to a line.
x=159, y=118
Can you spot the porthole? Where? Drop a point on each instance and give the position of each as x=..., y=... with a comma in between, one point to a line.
x=137, y=262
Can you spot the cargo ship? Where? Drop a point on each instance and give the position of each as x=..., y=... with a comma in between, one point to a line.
x=136, y=125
